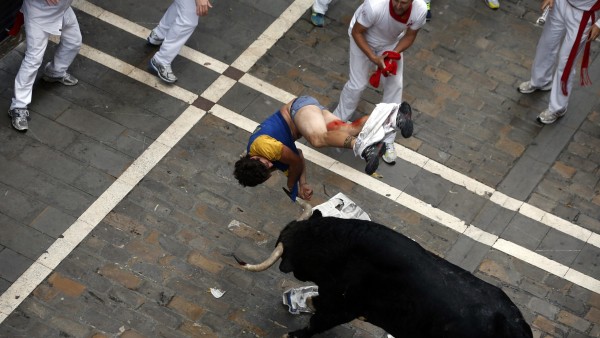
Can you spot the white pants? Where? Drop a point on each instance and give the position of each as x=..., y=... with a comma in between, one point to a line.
x=361, y=69
x=176, y=27
x=36, y=43
x=321, y=6
x=554, y=46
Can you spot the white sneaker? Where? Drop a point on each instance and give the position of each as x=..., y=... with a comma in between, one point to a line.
x=153, y=39
x=547, y=117
x=164, y=72
x=389, y=156
x=527, y=88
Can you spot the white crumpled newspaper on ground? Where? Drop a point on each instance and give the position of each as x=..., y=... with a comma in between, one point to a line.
x=342, y=207
x=338, y=206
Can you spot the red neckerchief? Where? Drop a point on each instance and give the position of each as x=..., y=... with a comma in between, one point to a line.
x=585, y=77
x=401, y=18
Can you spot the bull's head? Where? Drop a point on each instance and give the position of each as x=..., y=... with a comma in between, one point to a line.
x=278, y=252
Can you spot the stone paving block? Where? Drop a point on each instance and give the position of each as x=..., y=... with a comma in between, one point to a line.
x=429, y=188
x=52, y=222
x=93, y=125
x=457, y=198
x=99, y=156
x=12, y=233
x=47, y=102
x=466, y=253
x=573, y=321
x=52, y=134
x=560, y=247
x=18, y=206
x=53, y=163
x=589, y=253
x=525, y=232
x=13, y=144
x=12, y=264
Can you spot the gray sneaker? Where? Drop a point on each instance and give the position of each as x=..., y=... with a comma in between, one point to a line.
x=527, y=88
x=164, y=72
x=389, y=156
x=547, y=117
x=153, y=39
x=67, y=79
x=19, y=117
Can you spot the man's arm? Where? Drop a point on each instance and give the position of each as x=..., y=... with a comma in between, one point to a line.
x=295, y=165
x=358, y=34
x=406, y=41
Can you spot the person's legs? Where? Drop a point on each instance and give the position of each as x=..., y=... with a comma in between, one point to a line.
x=357, y=82
x=37, y=41
x=558, y=100
x=183, y=24
x=392, y=93
x=311, y=123
x=166, y=22
x=180, y=31
x=67, y=50
x=548, y=46
x=334, y=123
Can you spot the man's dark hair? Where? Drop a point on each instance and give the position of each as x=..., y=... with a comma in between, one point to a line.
x=250, y=172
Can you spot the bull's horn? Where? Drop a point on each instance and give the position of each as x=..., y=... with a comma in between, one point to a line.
x=307, y=209
x=275, y=255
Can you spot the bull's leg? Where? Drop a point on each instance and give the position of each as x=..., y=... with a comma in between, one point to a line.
x=328, y=315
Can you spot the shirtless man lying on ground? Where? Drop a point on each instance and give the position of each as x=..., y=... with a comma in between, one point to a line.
x=271, y=146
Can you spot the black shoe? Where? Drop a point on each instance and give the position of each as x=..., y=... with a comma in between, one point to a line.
x=371, y=154
x=404, y=120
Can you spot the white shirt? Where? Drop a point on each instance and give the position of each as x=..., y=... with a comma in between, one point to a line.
x=382, y=29
x=48, y=17
x=583, y=5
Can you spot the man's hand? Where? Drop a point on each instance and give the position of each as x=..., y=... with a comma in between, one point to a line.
x=202, y=7
x=305, y=191
x=594, y=33
x=52, y=2
x=547, y=3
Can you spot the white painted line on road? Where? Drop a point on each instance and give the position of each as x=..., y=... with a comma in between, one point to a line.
x=273, y=33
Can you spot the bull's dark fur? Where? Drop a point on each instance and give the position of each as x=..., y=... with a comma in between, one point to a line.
x=366, y=269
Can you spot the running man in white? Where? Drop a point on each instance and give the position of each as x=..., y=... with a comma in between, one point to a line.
x=173, y=31
x=43, y=18
x=568, y=31
x=380, y=26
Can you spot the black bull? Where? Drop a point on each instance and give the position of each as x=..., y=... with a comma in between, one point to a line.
x=364, y=269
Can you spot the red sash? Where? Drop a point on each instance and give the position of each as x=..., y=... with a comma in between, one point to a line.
x=585, y=77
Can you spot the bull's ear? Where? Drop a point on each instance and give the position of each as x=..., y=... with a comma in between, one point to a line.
x=316, y=214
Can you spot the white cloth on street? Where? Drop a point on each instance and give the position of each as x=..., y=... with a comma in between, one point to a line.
x=176, y=26
x=380, y=124
x=38, y=28
x=554, y=46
